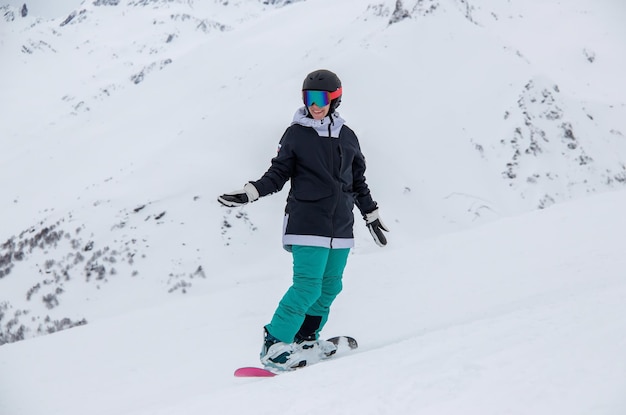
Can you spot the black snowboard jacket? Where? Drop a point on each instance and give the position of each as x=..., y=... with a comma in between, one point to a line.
x=323, y=159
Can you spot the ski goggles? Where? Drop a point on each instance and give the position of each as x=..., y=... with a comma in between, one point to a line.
x=319, y=98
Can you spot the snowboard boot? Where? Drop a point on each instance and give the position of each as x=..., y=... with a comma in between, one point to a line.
x=327, y=348
x=307, y=340
x=279, y=355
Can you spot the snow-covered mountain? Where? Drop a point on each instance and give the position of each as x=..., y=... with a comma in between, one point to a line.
x=124, y=119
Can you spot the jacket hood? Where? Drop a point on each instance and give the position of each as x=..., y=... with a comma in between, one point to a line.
x=331, y=124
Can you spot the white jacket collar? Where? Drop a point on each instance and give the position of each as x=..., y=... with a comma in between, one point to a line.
x=328, y=126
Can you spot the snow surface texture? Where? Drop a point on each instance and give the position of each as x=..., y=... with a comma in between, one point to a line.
x=493, y=132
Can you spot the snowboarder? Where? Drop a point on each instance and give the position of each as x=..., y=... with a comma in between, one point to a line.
x=322, y=158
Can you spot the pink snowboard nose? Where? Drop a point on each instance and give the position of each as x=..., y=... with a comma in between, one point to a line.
x=254, y=372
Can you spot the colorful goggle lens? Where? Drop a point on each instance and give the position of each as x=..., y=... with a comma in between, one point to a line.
x=319, y=98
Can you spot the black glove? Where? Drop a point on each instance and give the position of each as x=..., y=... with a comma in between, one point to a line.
x=239, y=197
x=376, y=227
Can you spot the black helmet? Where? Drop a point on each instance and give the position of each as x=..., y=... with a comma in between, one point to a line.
x=325, y=80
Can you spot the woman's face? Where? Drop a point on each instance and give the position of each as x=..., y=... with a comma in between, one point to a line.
x=318, y=113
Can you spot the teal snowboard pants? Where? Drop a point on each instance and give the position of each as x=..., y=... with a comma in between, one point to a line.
x=317, y=274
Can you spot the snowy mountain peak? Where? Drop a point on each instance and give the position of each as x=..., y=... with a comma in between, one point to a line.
x=462, y=115
x=495, y=139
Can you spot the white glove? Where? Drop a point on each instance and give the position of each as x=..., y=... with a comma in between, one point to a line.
x=376, y=227
x=239, y=197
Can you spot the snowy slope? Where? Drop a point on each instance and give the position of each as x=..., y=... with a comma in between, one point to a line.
x=123, y=120
x=522, y=316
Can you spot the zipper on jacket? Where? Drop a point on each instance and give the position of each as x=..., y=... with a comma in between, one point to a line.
x=337, y=180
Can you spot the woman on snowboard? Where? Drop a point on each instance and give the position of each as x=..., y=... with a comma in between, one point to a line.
x=322, y=157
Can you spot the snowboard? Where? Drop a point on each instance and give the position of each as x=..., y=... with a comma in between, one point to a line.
x=343, y=343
